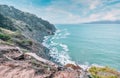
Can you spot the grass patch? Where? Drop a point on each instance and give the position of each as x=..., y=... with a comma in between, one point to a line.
x=6, y=31
x=9, y=37
x=103, y=72
x=4, y=37
x=26, y=42
x=6, y=43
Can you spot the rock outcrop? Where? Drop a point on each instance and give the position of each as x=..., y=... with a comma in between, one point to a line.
x=16, y=64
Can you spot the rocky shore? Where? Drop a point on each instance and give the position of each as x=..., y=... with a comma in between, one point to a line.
x=21, y=49
x=16, y=64
x=22, y=54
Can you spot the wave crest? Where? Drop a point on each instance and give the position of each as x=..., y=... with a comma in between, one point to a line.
x=58, y=51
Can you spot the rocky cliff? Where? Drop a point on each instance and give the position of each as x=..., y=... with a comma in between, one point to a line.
x=29, y=25
x=21, y=53
x=23, y=56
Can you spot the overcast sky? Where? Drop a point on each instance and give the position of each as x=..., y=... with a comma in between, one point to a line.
x=69, y=11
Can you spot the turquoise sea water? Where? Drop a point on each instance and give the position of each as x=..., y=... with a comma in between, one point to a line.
x=86, y=44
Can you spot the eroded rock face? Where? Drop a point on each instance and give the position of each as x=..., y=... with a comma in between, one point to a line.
x=16, y=64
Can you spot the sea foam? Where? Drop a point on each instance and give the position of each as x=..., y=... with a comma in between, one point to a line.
x=58, y=51
x=61, y=55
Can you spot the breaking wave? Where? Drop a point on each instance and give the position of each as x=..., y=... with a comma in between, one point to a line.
x=58, y=50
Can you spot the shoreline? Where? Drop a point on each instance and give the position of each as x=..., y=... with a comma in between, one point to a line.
x=70, y=61
x=22, y=54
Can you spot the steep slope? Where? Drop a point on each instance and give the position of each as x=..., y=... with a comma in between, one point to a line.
x=6, y=23
x=21, y=35
x=32, y=26
x=29, y=28
x=23, y=56
x=16, y=64
x=16, y=38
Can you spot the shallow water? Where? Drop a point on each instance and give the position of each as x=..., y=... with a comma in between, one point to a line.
x=86, y=44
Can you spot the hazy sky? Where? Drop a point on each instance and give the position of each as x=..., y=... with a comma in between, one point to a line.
x=69, y=11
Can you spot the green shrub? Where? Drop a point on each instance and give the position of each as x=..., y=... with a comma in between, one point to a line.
x=4, y=37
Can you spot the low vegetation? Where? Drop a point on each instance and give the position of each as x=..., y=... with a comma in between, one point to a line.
x=6, y=31
x=5, y=34
x=26, y=43
x=103, y=72
x=14, y=38
x=4, y=37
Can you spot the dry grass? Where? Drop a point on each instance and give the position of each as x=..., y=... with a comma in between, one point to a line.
x=5, y=31
x=104, y=72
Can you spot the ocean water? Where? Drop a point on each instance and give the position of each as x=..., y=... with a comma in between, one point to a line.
x=86, y=44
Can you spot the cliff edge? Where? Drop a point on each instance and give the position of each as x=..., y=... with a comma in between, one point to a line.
x=22, y=54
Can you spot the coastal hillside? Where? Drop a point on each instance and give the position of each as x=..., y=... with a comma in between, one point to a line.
x=22, y=54
x=29, y=25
